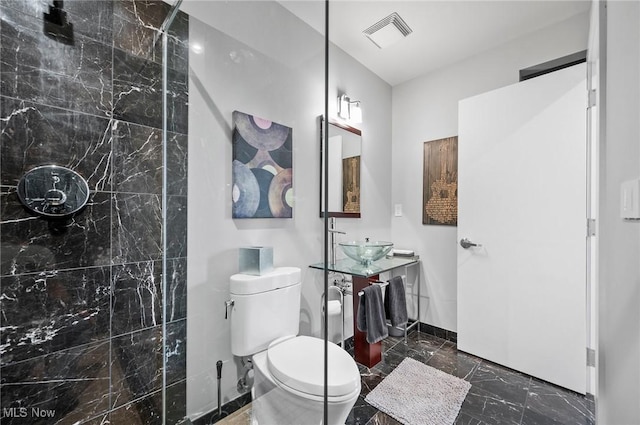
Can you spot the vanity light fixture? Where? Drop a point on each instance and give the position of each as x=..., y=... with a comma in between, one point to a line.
x=349, y=109
x=343, y=106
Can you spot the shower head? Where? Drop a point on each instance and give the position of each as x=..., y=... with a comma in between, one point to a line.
x=56, y=25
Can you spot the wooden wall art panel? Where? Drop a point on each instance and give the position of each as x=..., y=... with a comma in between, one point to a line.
x=440, y=182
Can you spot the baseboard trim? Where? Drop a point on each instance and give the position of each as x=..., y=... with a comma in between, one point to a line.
x=439, y=332
x=228, y=408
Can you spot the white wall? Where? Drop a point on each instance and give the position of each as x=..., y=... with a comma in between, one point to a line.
x=426, y=108
x=258, y=58
x=619, y=240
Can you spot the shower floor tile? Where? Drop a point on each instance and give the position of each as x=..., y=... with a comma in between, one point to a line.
x=498, y=395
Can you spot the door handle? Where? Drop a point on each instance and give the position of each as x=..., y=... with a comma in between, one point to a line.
x=466, y=243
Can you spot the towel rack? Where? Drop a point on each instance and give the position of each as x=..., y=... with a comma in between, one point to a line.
x=382, y=284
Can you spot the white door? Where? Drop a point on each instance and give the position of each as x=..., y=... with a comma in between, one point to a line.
x=522, y=196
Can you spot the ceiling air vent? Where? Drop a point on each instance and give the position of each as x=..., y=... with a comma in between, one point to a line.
x=388, y=30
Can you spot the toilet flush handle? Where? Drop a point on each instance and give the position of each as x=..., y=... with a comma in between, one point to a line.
x=227, y=304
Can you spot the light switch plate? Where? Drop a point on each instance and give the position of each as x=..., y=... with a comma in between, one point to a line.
x=630, y=200
x=398, y=210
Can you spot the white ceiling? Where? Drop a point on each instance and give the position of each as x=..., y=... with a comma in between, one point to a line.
x=444, y=32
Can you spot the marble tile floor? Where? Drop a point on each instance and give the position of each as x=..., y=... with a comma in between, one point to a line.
x=498, y=395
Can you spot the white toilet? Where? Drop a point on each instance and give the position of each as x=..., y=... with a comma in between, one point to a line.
x=288, y=369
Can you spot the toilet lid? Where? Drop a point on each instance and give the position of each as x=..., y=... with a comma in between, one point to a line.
x=299, y=363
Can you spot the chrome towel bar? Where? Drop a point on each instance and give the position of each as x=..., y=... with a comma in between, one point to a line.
x=381, y=283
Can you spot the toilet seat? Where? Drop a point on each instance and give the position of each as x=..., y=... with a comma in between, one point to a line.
x=298, y=363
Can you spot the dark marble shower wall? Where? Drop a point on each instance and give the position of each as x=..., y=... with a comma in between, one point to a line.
x=81, y=335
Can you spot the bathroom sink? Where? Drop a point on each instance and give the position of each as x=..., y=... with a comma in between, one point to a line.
x=366, y=252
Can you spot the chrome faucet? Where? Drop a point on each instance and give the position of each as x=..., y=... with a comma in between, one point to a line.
x=332, y=239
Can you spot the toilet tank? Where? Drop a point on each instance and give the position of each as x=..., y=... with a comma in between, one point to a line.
x=264, y=308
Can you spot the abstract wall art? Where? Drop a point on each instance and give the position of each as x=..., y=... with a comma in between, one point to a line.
x=262, y=168
x=440, y=182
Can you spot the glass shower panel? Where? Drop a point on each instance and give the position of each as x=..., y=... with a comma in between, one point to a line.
x=253, y=63
x=175, y=113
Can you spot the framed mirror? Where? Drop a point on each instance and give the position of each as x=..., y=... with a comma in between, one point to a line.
x=344, y=158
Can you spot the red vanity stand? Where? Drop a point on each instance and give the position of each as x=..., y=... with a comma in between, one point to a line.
x=368, y=354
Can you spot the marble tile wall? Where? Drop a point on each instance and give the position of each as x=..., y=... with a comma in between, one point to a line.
x=81, y=304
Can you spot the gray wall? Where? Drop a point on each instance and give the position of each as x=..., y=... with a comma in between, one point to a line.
x=81, y=299
x=619, y=240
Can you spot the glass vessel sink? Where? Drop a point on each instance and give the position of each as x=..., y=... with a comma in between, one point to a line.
x=366, y=252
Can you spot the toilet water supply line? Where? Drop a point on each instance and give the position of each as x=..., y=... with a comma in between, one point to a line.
x=248, y=364
x=242, y=385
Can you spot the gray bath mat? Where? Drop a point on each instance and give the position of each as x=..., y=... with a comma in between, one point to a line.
x=417, y=394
